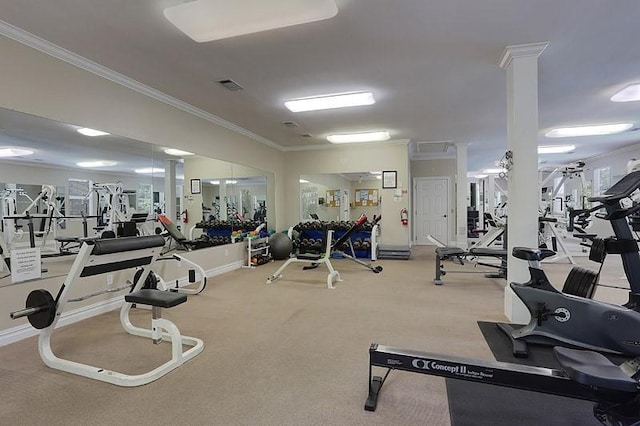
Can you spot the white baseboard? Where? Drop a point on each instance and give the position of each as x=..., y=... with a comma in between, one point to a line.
x=25, y=331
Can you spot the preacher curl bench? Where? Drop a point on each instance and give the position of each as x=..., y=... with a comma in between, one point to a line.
x=98, y=257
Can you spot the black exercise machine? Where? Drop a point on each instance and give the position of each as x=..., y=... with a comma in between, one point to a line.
x=561, y=319
x=584, y=375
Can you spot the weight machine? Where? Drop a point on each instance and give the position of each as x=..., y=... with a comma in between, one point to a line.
x=46, y=201
x=98, y=257
x=116, y=210
x=549, y=222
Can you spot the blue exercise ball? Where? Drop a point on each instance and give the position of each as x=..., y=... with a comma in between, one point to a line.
x=280, y=246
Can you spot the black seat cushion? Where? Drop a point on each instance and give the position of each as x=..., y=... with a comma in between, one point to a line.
x=483, y=251
x=593, y=369
x=526, y=253
x=163, y=299
x=444, y=252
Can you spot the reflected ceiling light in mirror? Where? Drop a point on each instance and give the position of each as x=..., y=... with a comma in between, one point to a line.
x=379, y=177
x=359, y=137
x=94, y=164
x=214, y=182
x=556, y=149
x=628, y=94
x=595, y=130
x=343, y=100
x=208, y=20
x=149, y=170
x=376, y=173
x=231, y=182
x=91, y=132
x=492, y=171
x=303, y=181
x=177, y=152
x=14, y=151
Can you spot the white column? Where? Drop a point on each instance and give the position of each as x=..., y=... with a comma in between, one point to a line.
x=462, y=195
x=491, y=194
x=170, y=190
x=223, y=199
x=521, y=64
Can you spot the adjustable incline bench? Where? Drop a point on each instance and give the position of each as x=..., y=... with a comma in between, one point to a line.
x=313, y=260
x=98, y=257
x=457, y=254
x=345, y=241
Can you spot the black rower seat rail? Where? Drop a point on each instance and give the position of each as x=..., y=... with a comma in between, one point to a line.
x=517, y=376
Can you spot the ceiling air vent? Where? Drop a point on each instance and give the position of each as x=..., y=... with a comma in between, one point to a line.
x=230, y=84
x=289, y=124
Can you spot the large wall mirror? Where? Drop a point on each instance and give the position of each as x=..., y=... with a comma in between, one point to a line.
x=66, y=184
x=340, y=196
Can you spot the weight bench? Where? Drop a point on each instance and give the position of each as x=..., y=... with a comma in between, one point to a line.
x=179, y=238
x=97, y=257
x=459, y=256
x=313, y=261
x=345, y=242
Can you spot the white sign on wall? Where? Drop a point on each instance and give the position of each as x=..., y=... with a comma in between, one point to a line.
x=25, y=265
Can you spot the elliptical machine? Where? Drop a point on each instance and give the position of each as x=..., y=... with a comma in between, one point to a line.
x=562, y=319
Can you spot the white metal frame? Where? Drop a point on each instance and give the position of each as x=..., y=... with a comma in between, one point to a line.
x=325, y=259
x=171, y=332
x=195, y=287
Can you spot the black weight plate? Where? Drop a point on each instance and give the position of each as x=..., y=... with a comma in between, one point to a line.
x=42, y=299
x=150, y=283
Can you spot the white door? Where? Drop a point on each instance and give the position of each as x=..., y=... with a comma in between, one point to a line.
x=432, y=210
x=345, y=206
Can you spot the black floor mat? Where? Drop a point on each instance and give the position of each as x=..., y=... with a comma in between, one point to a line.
x=475, y=404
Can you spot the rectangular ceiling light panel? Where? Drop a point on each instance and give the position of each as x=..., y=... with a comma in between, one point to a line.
x=630, y=93
x=343, y=100
x=207, y=20
x=359, y=137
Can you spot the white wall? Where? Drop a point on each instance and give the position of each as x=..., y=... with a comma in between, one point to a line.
x=353, y=159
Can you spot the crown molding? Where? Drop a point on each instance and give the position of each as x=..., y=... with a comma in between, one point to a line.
x=521, y=50
x=44, y=46
x=433, y=156
x=344, y=145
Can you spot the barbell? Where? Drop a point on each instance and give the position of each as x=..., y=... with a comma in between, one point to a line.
x=40, y=309
x=40, y=306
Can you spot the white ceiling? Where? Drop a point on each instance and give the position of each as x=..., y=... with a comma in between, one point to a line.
x=432, y=66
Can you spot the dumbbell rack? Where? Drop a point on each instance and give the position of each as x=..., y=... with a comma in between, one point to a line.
x=251, y=249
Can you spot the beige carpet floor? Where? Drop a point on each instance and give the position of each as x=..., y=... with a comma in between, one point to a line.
x=289, y=353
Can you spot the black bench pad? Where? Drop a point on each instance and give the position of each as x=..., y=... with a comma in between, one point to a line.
x=309, y=256
x=444, y=252
x=483, y=251
x=593, y=369
x=163, y=299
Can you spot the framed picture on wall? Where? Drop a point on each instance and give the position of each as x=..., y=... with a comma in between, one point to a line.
x=195, y=186
x=389, y=179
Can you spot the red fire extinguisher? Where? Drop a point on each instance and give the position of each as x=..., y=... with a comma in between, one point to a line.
x=404, y=217
x=185, y=216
